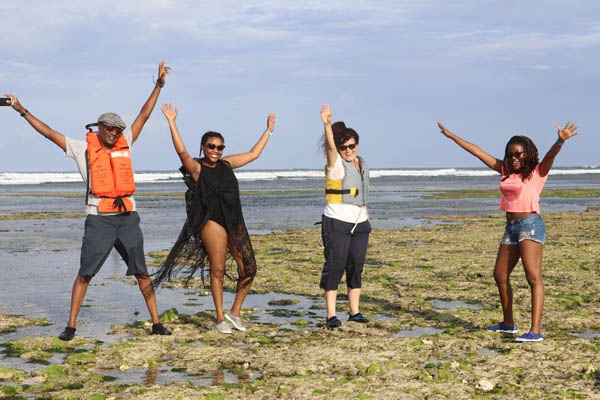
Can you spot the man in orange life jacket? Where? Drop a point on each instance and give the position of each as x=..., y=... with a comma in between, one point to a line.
x=111, y=219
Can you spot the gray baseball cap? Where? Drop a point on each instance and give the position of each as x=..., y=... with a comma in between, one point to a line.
x=112, y=119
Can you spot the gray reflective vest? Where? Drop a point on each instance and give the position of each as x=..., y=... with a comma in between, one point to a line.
x=353, y=188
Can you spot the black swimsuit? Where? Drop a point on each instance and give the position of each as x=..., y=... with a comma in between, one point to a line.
x=216, y=197
x=215, y=214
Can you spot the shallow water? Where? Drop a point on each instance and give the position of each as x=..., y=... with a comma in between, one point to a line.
x=430, y=363
x=31, y=366
x=161, y=375
x=418, y=331
x=488, y=352
x=383, y=317
x=111, y=301
x=453, y=304
x=586, y=334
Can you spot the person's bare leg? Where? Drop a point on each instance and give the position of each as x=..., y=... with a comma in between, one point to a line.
x=77, y=295
x=531, y=254
x=214, y=237
x=243, y=287
x=508, y=256
x=145, y=284
x=330, y=301
x=353, y=300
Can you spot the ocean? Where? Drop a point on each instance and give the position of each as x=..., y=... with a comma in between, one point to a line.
x=397, y=198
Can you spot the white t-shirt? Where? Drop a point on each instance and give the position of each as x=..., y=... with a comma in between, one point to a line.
x=344, y=212
x=76, y=150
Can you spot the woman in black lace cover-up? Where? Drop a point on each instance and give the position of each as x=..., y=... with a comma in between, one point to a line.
x=214, y=223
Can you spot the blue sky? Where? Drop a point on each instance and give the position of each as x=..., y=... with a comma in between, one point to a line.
x=389, y=69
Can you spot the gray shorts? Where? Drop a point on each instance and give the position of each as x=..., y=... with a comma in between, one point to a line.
x=103, y=232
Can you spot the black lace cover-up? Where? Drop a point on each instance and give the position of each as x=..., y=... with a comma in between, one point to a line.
x=216, y=187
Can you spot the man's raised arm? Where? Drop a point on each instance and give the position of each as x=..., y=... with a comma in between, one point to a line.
x=140, y=121
x=49, y=133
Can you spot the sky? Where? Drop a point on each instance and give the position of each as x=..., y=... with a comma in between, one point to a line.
x=390, y=69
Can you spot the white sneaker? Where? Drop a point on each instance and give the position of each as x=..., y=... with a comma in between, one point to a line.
x=235, y=321
x=223, y=327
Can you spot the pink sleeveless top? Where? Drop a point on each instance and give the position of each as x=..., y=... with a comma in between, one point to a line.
x=519, y=196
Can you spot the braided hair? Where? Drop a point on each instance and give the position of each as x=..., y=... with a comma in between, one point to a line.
x=531, y=157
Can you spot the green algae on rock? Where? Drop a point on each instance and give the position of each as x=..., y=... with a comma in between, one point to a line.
x=494, y=193
x=39, y=215
x=9, y=323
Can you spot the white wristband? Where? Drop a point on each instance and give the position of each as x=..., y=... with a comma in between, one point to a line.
x=267, y=131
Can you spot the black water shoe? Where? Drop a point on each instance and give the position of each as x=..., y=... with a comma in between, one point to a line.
x=333, y=322
x=358, y=317
x=159, y=329
x=67, y=334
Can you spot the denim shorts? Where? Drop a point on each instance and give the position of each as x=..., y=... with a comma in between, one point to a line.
x=531, y=227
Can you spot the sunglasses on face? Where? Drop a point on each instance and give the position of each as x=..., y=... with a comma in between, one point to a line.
x=349, y=146
x=213, y=146
x=516, y=154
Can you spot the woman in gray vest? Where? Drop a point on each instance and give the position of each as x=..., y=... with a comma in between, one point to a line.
x=345, y=225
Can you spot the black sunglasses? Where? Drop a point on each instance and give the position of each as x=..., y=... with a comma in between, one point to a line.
x=213, y=146
x=350, y=146
x=516, y=154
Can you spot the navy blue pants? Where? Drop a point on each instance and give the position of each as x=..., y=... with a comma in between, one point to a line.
x=344, y=251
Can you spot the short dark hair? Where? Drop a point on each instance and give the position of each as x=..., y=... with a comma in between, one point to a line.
x=531, y=157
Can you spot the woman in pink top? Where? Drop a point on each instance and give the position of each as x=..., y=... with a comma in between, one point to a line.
x=523, y=178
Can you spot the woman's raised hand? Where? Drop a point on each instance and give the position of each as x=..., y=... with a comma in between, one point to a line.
x=169, y=112
x=326, y=114
x=271, y=122
x=568, y=131
x=445, y=131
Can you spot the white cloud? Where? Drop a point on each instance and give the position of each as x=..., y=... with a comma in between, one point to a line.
x=17, y=64
x=533, y=42
x=46, y=26
x=541, y=67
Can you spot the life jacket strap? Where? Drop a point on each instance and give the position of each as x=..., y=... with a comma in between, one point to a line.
x=118, y=203
x=89, y=126
x=87, y=190
x=351, y=191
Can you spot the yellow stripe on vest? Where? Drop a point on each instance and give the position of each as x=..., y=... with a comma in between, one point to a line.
x=333, y=184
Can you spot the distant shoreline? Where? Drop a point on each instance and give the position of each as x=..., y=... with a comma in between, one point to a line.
x=34, y=178
x=573, y=192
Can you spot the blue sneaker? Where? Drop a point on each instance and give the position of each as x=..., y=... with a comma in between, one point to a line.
x=501, y=328
x=530, y=337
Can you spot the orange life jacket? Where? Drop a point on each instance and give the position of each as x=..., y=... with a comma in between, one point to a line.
x=110, y=174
